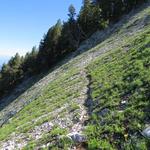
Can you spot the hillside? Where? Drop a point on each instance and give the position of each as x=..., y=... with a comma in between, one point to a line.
x=98, y=96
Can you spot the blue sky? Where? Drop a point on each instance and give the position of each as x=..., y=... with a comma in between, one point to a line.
x=23, y=22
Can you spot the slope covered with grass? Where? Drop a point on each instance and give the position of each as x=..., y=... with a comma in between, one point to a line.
x=101, y=91
x=119, y=88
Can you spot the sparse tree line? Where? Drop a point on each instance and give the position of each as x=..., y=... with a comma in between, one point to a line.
x=63, y=38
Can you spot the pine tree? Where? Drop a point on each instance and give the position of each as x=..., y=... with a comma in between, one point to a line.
x=90, y=17
x=71, y=35
x=75, y=33
x=72, y=13
x=48, y=47
x=11, y=74
x=15, y=68
x=29, y=65
x=55, y=35
x=85, y=16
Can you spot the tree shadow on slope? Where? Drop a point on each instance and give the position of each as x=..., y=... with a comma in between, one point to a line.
x=108, y=33
x=17, y=91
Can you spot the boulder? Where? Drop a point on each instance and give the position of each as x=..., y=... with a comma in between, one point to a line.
x=146, y=132
x=77, y=137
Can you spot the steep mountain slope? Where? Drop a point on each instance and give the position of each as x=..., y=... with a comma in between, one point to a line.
x=119, y=90
x=106, y=99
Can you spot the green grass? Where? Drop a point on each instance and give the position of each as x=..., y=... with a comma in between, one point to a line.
x=50, y=138
x=117, y=77
x=54, y=96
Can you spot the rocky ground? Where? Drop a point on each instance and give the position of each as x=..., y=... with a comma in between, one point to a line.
x=110, y=38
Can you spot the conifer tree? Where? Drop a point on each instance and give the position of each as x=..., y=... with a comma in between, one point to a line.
x=72, y=13
x=48, y=46
x=85, y=16
x=70, y=36
x=90, y=17
x=11, y=73
x=29, y=65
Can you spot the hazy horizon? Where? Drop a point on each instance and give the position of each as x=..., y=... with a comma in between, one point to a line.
x=3, y=59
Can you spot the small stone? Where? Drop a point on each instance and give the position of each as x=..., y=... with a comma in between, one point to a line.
x=146, y=132
x=123, y=102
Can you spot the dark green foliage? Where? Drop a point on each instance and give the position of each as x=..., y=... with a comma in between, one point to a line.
x=29, y=63
x=71, y=34
x=48, y=53
x=113, y=9
x=10, y=74
x=90, y=18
